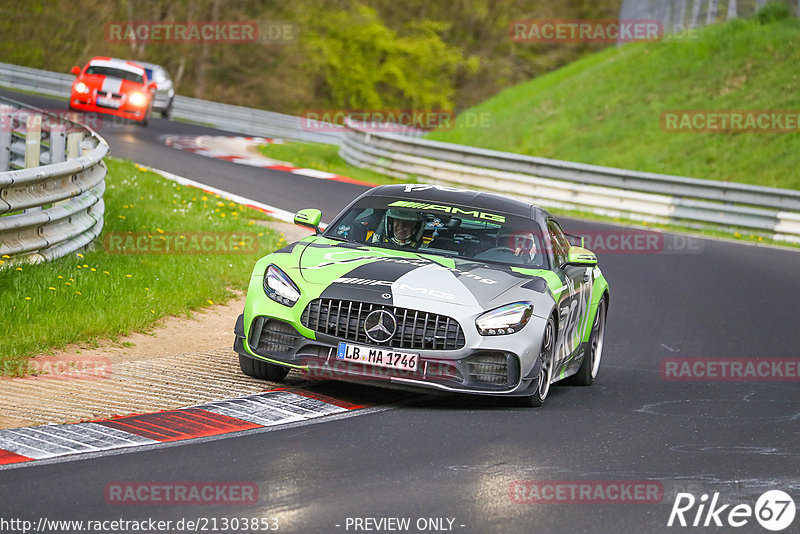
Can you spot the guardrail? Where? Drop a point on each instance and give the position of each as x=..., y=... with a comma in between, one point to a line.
x=550, y=183
x=52, y=179
x=238, y=119
x=575, y=186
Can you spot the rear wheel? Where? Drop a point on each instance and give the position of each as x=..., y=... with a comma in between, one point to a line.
x=546, y=357
x=262, y=370
x=594, y=352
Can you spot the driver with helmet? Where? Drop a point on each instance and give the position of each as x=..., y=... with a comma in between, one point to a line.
x=401, y=228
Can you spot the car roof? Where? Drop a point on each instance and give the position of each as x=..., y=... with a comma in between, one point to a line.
x=465, y=197
x=121, y=64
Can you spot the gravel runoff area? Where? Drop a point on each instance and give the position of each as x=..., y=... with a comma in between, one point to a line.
x=181, y=362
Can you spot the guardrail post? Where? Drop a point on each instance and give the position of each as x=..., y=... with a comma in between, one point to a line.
x=33, y=144
x=74, y=145
x=6, y=127
x=58, y=143
x=33, y=140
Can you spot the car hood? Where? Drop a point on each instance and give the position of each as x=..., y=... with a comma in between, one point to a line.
x=347, y=271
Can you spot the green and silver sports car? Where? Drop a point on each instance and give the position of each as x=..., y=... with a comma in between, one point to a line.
x=432, y=287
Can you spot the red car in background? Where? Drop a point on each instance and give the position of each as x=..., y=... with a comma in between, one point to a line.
x=114, y=87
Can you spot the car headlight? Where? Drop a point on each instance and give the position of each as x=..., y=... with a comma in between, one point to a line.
x=505, y=320
x=279, y=287
x=80, y=87
x=137, y=99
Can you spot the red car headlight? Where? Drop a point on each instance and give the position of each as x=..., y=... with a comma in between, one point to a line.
x=81, y=88
x=137, y=99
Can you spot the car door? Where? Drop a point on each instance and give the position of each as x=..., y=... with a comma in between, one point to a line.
x=573, y=300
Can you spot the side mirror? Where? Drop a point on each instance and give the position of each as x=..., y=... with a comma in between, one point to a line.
x=581, y=257
x=310, y=218
x=75, y=70
x=152, y=86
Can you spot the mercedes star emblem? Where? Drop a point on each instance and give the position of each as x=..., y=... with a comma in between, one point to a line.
x=380, y=326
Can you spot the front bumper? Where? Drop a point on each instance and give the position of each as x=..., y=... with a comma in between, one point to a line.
x=468, y=370
x=86, y=102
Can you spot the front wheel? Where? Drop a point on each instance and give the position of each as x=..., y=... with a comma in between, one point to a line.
x=594, y=352
x=546, y=361
x=262, y=370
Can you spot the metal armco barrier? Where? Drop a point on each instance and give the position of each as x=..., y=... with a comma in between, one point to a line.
x=248, y=121
x=602, y=190
x=52, y=179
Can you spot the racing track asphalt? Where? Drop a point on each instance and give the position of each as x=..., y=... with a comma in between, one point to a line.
x=455, y=457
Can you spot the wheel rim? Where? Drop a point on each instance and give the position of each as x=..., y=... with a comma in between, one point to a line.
x=599, y=335
x=546, y=357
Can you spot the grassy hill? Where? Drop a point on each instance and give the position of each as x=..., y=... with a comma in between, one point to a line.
x=606, y=108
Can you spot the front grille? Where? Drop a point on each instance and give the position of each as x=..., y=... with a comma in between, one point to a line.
x=420, y=330
x=488, y=368
x=105, y=93
x=271, y=335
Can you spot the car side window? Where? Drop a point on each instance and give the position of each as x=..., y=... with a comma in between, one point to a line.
x=559, y=242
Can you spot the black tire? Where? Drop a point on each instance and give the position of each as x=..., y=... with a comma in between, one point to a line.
x=262, y=370
x=547, y=356
x=594, y=351
x=167, y=112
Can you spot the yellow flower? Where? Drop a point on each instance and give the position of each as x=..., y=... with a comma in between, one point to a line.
x=220, y=203
x=60, y=277
x=147, y=289
x=159, y=230
x=80, y=255
x=128, y=276
x=51, y=288
x=121, y=216
x=27, y=298
x=85, y=265
x=251, y=223
x=6, y=256
x=152, y=311
x=210, y=301
x=106, y=272
x=235, y=213
x=94, y=270
x=231, y=204
x=19, y=268
x=71, y=279
x=67, y=283
x=79, y=266
x=222, y=215
x=260, y=234
x=2, y=262
x=194, y=198
x=204, y=198
x=79, y=293
x=737, y=234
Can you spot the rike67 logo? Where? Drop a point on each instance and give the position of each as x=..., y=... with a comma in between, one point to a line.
x=774, y=510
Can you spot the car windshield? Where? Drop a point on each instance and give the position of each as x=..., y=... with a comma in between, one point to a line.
x=443, y=230
x=115, y=73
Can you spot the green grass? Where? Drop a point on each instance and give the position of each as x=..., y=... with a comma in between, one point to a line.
x=323, y=157
x=94, y=294
x=606, y=108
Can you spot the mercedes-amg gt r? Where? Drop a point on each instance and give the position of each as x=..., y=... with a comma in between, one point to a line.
x=431, y=287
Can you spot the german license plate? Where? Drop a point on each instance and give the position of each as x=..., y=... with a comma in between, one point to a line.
x=107, y=102
x=381, y=357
